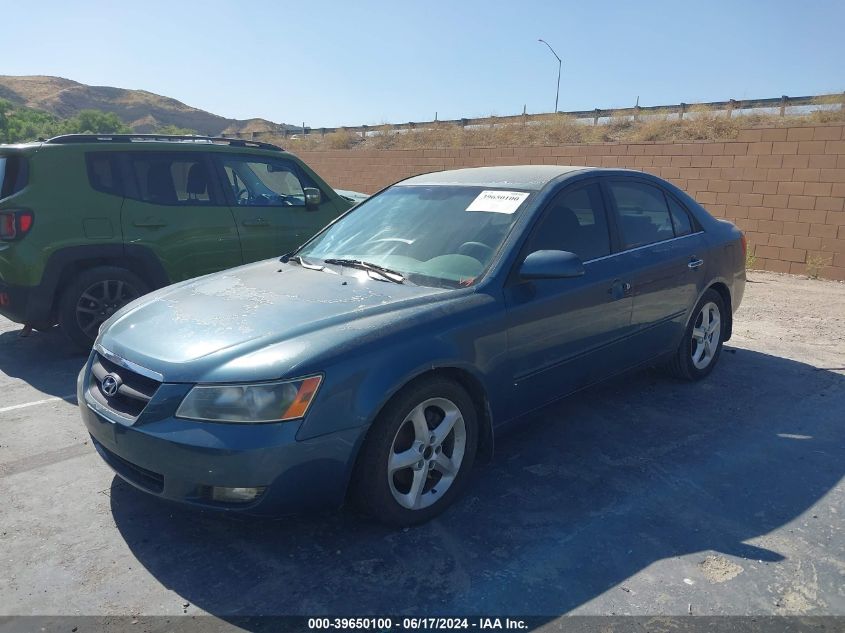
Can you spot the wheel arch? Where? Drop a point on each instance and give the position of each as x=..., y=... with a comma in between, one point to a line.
x=63, y=265
x=724, y=292
x=473, y=387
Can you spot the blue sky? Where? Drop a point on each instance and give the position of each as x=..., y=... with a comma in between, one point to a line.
x=367, y=62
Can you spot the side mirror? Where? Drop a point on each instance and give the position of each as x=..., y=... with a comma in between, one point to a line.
x=312, y=198
x=551, y=265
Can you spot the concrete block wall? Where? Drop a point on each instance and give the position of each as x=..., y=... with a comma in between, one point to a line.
x=784, y=186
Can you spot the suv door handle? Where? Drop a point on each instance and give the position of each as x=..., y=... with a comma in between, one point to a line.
x=695, y=262
x=150, y=223
x=256, y=222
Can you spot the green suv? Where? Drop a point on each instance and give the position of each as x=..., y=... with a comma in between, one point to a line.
x=89, y=223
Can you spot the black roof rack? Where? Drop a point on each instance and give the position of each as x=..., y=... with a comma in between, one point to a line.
x=130, y=138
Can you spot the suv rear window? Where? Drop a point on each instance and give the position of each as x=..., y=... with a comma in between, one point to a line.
x=13, y=175
x=104, y=172
x=171, y=179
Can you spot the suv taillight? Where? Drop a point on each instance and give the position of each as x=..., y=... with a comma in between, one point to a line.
x=15, y=224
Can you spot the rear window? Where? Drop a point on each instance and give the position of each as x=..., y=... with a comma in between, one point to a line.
x=13, y=175
x=171, y=179
x=104, y=172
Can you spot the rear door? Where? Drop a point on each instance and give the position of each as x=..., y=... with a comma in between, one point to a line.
x=174, y=208
x=564, y=334
x=663, y=250
x=267, y=200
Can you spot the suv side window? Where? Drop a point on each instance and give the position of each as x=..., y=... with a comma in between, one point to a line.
x=574, y=221
x=259, y=182
x=643, y=214
x=104, y=172
x=170, y=179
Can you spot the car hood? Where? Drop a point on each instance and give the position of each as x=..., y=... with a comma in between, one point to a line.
x=218, y=317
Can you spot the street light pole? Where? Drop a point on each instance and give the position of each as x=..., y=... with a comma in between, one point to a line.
x=559, y=65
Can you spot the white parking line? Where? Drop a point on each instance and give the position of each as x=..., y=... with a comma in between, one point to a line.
x=32, y=404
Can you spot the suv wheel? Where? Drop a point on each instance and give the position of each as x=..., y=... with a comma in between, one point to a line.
x=418, y=454
x=92, y=297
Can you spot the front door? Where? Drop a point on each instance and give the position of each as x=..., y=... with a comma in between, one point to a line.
x=267, y=200
x=173, y=208
x=564, y=334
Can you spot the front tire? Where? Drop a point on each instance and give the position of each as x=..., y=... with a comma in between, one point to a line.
x=701, y=344
x=92, y=297
x=418, y=454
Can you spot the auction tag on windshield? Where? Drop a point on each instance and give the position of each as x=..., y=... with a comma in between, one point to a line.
x=498, y=201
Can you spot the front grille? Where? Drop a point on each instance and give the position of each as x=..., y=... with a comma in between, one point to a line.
x=142, y=477
x=133, y=393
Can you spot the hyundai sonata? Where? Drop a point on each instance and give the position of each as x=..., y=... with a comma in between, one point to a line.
x=376, y=363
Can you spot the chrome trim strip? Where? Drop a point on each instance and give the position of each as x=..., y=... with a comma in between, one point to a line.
x=639, y=248
x=128, y=364
x=108, y=414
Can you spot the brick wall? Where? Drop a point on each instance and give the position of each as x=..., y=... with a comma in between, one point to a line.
x=785, y=187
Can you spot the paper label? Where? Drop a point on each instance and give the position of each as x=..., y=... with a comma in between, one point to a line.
x=498, y=201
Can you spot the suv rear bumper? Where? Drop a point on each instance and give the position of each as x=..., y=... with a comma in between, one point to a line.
x=14, y=301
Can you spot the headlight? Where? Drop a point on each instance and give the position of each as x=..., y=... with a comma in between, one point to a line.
x=261, y=402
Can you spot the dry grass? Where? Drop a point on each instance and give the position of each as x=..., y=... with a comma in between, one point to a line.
x=815, y=263
x=699, y=124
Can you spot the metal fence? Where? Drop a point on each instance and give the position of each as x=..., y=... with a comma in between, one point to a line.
x=783, y=106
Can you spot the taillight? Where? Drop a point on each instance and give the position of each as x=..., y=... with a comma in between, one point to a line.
x=15, y=224
x=744, y=246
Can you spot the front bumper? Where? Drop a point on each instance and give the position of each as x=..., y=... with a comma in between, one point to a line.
x=183, y=460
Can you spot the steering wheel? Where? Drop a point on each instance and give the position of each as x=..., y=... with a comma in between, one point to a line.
x=242, y=196
x=476, y=250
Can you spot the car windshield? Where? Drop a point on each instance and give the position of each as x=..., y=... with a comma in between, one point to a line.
x=433, y=235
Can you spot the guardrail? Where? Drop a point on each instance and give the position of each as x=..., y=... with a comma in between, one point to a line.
x=732, y=106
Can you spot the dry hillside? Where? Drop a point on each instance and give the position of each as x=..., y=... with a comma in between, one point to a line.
x=141, y=110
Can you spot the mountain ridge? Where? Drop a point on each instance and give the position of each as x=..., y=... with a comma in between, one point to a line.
x=141, y=110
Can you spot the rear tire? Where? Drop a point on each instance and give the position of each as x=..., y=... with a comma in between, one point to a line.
x=701, y=344
x=412, y=467
x=92, y=297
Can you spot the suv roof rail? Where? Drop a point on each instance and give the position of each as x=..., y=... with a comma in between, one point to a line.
x=130, y=138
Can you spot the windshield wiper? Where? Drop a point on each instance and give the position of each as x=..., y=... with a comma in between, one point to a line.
x=386, y=273
x=298, y=259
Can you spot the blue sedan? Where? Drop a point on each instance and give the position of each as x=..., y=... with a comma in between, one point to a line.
x=375, y=364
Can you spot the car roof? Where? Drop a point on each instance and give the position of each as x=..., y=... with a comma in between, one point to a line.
x=528, y=177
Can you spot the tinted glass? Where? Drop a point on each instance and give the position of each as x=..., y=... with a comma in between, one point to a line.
x=104, y=172
x=680, y=218
x=13, y=175
x=257, y=183
x=575, y=221
x=170, y=180
x=643, y=214
x=437, y=235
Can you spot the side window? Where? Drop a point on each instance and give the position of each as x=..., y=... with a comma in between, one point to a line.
x=643, y=214
x=680, y=218
x=260, y=183
x=574, y=221
x=104, y=172
x=171, y=180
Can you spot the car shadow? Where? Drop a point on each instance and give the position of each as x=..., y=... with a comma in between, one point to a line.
x=47, y=361
x=586, y=494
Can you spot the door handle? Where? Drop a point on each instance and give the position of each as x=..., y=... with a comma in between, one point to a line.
x=619, y=289
x=256, y=222
x=695, y=262
x=150, y=223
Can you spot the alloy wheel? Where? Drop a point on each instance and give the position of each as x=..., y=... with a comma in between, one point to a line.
x=426, y=454
x=99, y=301
x=706, y=333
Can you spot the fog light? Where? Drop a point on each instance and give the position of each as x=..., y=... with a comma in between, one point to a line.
x=236, y=495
